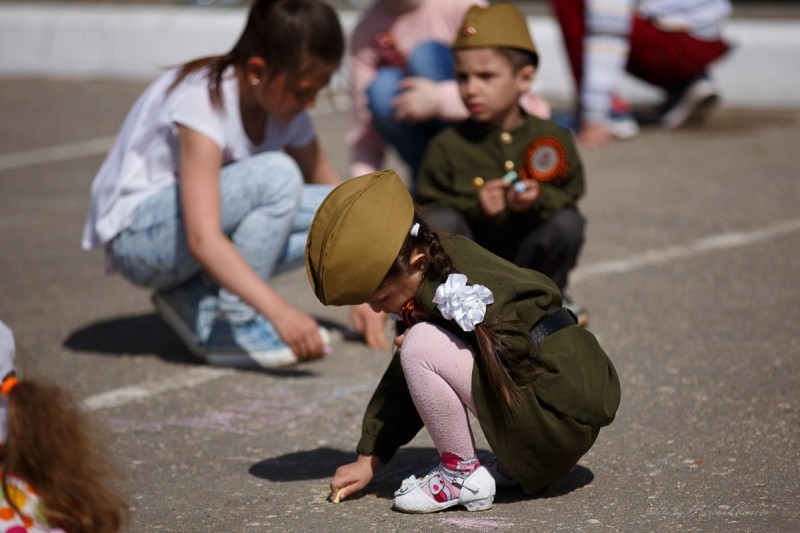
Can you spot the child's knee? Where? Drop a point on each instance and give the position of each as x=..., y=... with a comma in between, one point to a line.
x=569, y=226
x=281, y=163
x=433, y=60
x=382, y=90
x=425, y=344
x=419, y=341
x=273, y=170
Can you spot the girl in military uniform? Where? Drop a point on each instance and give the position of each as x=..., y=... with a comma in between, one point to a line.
x=477, y=334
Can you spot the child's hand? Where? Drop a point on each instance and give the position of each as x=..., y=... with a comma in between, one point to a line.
x=353, y=477
x=492, y=197
x=398, y=341
x=519, y=199
x=301, y=332
x=594, y=134
x=418, y=101
x=370, y=324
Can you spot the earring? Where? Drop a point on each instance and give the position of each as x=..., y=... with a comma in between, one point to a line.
x=255, y=81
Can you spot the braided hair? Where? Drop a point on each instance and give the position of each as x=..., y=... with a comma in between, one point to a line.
x=505, y=372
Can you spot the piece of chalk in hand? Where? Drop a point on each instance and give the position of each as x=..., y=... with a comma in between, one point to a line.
x=510, y=177
x=338, y=496
x=327, y=350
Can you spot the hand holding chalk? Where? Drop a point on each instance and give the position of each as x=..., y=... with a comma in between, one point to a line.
x=513, y=179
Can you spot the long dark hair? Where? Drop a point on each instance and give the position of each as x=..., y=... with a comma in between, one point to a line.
x=287, y=34
x=52, y=446
x=504, y=371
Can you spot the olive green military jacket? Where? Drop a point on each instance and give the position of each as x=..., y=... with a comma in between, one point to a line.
x=580, y=381
x=463, y=157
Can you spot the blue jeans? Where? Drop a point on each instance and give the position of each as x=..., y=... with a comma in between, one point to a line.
x=430, y=59
x=267, y=210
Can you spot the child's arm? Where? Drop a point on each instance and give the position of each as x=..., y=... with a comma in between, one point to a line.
x=353, y=477
x=314, y=163
x=199, y=175
x=435, y=183
x=606, y=46
x=492, y=197
x=317, y=168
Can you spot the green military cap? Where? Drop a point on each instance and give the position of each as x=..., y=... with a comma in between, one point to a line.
x=355, y=237
x=496, y=26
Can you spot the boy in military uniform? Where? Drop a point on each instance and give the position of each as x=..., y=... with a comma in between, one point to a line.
x=506, y=179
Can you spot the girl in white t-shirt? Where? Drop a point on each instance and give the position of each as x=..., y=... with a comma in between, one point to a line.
x=211, y=185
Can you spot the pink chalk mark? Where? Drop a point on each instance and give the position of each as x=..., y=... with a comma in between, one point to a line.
x=249, y=416
x=480, y=524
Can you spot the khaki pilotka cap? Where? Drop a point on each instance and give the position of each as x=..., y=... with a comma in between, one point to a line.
x=355, y=237
x=496, y=26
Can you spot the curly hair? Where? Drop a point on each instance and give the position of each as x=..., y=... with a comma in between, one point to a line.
x=49, y=446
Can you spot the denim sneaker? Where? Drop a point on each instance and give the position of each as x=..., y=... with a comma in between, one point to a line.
x=191, y=311
x=249, y=344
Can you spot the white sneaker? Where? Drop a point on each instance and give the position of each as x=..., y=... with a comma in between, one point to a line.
x=621, y=122
x=477, y=491
x=623, y=126
x=693, y=104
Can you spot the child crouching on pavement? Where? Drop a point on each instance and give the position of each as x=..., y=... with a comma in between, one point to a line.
x=476, y=334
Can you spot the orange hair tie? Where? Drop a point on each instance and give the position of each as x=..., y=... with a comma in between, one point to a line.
x=8, y=384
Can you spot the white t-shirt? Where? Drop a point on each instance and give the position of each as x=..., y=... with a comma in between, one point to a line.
x=145, y=155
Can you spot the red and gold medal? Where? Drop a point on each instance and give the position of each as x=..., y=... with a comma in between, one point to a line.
x=545, y=160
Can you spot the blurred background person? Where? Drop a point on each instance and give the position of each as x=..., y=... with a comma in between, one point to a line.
x=668, y=43
x=403, y=85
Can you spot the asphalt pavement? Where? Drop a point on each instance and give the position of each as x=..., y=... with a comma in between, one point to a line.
x=689, y=270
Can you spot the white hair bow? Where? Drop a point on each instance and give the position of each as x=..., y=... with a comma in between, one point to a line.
x=466, y=304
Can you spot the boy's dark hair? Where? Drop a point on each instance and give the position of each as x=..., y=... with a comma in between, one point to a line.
x=287, y=34
x=519, y=58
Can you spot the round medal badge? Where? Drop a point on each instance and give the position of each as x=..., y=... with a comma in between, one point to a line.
x=546, y=159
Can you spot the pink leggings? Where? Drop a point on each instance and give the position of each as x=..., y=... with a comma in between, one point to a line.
x=438, y=370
